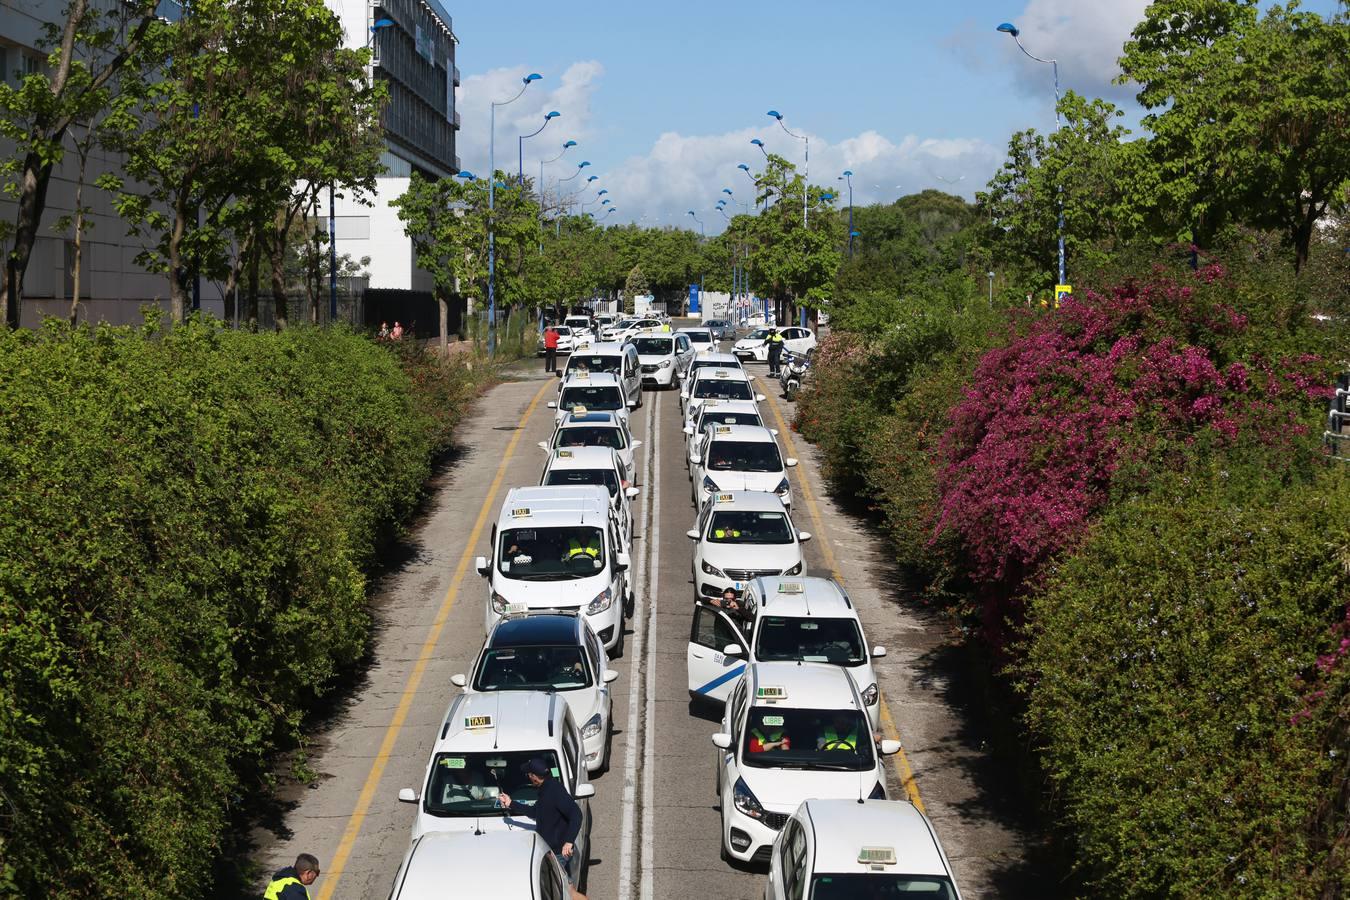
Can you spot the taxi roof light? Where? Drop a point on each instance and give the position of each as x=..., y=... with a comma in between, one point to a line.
x=877, y=856
x=477, y=722
x=791, y=587
x=771, y=692
x=522, y=512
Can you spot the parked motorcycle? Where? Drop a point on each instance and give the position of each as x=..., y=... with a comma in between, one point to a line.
x=792, y=373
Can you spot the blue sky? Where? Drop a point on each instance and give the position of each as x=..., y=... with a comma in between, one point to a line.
x=664, y=99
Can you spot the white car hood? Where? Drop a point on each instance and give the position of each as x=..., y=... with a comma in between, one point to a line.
x=428, y=823
x=746, y=481
x=655, y=359
x=552, y=594
x=783, y=790
x=749, y=343
x=752, y=556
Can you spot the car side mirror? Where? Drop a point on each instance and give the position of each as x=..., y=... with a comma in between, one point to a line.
x=557, y=373
x=732, y=650
x=803, y=536
x=637, y=444
x=543, y=445
x=890, y=748
x=722, y=740
x=622, y=561
x=760, y=398
x=632, y=404
x=584, y=791
x=692, y=534
x=407, y=795
x=773, y=431
x=631, y=493
x=552, y=404
x=481, y=564
x=878, y=651
x=684, y=395
x=790, y=462
x=610, y=676
x=693, y=457
x=459, y=680
x=689, y=429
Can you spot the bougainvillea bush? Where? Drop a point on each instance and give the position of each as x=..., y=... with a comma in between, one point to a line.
x=1089, y=404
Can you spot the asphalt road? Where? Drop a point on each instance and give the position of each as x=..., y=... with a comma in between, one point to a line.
x=656, y=824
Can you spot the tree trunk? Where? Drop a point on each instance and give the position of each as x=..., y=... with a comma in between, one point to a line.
x=79, y=251
x=278, y=257
x=1302, y=235
x=443, y=302
x=177, y=276
x=32, y=201
x=231, y=297
x=251, y=314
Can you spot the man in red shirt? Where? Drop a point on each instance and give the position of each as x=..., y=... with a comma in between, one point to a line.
x=550, y=350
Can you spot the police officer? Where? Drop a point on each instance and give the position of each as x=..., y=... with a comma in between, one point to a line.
x=775, y=342
x=292, y=882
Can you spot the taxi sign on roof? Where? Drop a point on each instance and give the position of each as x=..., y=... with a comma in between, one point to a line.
x=579, y=410
x=564, y=454
x=877, y=856
x=516, y=609
x=771, y=693
x=723, y=498
x=522, y=512
x=711, y=401
x=791, y=587
x=476, y=722
x=722, y=429
x=723, y=373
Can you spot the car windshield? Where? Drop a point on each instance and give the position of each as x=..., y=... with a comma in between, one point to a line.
x=747, y=527
x=579, y=323
x=594, y=363
x=590, y=436
x=880, y=886
x=715, y=417
x=467, y=784
x=607, y=477
x=699, y=337
x=562, y=330
x=783, y=738
x=759, y=334
x=722, y=389
x=605, y=397
x=744, y=456
x=810, y=639
x=626, y=323
x=703, y=362
x=653, y=346
x=532, y=669
x=551, y=554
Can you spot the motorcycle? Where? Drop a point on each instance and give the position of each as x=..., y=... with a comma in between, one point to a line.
x=792, y=373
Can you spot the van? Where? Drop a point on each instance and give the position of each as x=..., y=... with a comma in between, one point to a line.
x=619, y=360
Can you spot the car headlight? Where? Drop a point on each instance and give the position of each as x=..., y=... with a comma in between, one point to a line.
x=745, y=801
x=878, y=792
x=711, y=570
x=795, y=570
x=499, y=604
x=601, y=602
x=593, y=726
x=663, y=364
x=783, y=487
x=870, y=695
x=709, y=484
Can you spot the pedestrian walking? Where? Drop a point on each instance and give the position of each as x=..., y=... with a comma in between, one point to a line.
x=397, y=333
x=550, y=350
x=557, y=818
x=775, y=342
x=292, y=882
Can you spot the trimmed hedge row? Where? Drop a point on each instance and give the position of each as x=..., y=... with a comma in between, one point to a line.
x=184, y=523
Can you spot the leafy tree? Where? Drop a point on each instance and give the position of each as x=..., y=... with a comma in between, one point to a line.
x=633, y=287
x=441, y=217
x=90, y=50
x=1251, y=118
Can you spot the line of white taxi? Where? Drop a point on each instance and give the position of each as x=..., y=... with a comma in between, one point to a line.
x=799, y=771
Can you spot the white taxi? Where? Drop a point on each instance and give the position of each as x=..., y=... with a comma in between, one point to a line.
x=719, y=412
x=559, y=549
x=482, y=747
x=791, y=731
x=702, y=338
x=589, y=391
x=618, y=360
x=743, y=535
x=800, y=619
x=510, y=865
x=715, y=384
x=567, y=340
x=843, y=849
x=551, y=652
x=595, y=465
x=755, y=346
x=664, y=357
x=580, y=427
x=740, y=458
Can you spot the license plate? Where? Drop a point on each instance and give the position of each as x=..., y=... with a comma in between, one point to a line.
x=739, y=586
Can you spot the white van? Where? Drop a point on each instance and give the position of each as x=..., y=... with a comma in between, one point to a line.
x=619, y=360
x=561, y=549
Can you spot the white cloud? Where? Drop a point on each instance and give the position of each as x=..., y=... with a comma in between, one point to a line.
x=570, y=95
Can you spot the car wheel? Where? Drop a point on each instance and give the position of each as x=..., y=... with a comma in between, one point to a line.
x=609, y=745
x=618, y=646
x=726, y=856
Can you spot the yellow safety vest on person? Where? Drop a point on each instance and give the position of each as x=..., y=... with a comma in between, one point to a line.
x=834, y=742
x=575, y=549
x=274, y=889
x=775, y=338
x=721, y=533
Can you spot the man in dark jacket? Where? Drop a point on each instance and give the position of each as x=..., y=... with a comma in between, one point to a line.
x=557, y=818
x=292, y=882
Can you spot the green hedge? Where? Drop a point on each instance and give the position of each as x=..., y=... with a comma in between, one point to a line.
x=1188, y=729
x=185, y=519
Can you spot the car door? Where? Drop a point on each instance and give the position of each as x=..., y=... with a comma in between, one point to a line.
x=801, y=340
x=711, y=673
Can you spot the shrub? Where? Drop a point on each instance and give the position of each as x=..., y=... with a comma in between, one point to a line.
x=184, y=523
x=1175, y=669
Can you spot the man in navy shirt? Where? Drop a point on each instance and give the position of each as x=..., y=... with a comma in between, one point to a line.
x=557, y=818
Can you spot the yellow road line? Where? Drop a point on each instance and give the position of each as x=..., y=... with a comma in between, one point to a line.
x=903, y=770
x=334, y=869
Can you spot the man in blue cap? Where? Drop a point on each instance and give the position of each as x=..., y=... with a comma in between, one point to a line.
x=557, y=818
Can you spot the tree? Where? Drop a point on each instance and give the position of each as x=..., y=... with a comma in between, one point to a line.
x=442, y=218
x=1251, y=118
x=634, y=286
x=84, y=65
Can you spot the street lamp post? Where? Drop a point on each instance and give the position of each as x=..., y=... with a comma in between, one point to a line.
x=806, y=169
x=1011, y=29
x=492, y=206
x=520, y=143
x=568, y=145
x=848, y=177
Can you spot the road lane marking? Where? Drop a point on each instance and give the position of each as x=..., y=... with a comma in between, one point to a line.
x=338, y=864
x=903, y=770
x=648, y=740
x=640, y=641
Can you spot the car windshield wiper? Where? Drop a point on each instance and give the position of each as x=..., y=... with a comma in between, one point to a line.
x=835, y=767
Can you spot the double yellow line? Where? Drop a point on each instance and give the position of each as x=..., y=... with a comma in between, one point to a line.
x=903, y=770
x=339, y=862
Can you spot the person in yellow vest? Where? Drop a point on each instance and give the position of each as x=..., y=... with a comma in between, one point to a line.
x=840, y=734
x=721, y=533
x=775, y=342
x=292, y=882
x=591, y=548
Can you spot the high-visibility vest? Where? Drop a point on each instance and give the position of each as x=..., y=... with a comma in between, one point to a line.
x=774, y=736
x=832, y=738
x=274, y=889
x=775, y=338
x=574, y=549
x=723, y=532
